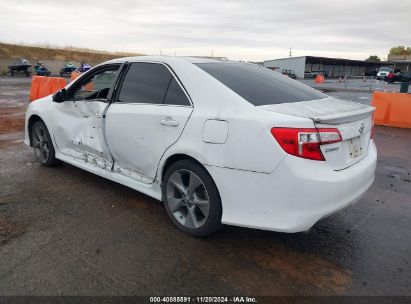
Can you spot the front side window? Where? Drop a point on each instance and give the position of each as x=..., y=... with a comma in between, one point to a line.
x=96, y=85
x=151, y=83
x=259, y=85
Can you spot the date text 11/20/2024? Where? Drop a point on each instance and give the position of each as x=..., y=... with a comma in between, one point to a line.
x=234, y=299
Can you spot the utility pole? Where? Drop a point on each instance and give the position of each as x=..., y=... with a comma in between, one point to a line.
x=212, y=53
x=290, y=53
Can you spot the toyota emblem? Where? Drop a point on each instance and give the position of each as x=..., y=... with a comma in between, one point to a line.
x=362, y=127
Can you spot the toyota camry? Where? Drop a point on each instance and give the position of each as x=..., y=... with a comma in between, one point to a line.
x=218, y=142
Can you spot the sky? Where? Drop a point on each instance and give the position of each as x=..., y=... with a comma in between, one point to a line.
x=240, y=30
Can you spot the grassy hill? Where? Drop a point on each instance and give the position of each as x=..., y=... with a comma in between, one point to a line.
x=55, y=53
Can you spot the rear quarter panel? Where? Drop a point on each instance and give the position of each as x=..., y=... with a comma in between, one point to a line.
x=249, y=144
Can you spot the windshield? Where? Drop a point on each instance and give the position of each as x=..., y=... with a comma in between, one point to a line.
x=384, y=70
x=259, y=85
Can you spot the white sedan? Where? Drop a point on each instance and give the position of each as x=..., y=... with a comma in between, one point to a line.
x=218, y=142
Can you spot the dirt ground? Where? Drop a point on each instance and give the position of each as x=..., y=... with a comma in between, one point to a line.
x=13, y=103
x=64, y=231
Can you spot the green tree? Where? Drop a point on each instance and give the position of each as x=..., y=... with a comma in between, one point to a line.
x=373, y=58
x=400, y=50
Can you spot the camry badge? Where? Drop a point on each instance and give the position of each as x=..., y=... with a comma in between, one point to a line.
x=362, y=127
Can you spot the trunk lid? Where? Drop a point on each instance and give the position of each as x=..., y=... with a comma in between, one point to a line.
x=353, y=120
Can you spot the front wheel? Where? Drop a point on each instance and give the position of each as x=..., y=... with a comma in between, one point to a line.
x=191, y=198
x=42, y=144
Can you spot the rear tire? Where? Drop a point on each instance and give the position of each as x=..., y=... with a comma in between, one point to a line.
x=192, y=199
x=43, y=145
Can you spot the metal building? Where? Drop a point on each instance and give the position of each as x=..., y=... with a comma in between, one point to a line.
x=401, y=62
x=329, y=67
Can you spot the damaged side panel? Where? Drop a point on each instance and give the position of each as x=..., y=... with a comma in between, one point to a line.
x=131, y=174
x=80, y=135
x=79, y=132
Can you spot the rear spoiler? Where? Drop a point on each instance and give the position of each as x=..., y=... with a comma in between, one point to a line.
x=344, y=117
x=327, y=110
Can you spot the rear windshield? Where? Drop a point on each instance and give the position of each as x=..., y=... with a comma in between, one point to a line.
x=259, y=85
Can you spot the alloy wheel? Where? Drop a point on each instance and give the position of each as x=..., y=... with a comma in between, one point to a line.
x=41, y=143
x=187, y=198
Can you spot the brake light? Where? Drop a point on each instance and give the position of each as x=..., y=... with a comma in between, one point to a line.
x=305, y=142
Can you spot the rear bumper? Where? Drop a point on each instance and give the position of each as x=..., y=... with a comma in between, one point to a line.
x=294, y=196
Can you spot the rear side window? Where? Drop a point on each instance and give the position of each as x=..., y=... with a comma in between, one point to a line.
x=259, y=85
x=175, y=95
x=145, y=83
x=151, y=83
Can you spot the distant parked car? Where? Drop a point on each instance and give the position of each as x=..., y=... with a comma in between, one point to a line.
x=84, y=67
x=383, y=72
x=68, y=68
x=41, y=70
x=289, y=73
x=403, y=77
x=308, y=74
x=20, y=66
x=371, y=74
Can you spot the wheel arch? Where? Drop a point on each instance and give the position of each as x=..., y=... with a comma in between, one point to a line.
x=173, y=159
x=181, y=156
x=31, y=121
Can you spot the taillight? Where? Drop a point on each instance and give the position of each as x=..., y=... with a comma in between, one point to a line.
x=305, y=142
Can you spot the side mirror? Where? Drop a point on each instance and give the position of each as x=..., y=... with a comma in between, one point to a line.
x=59, y=96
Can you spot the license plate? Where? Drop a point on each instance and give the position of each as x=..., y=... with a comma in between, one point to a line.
x=355, y=147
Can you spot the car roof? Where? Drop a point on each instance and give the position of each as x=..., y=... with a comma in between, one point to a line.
x=165, y=59
x=211, y=94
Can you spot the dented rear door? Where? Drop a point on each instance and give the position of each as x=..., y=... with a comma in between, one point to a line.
x=148, y=116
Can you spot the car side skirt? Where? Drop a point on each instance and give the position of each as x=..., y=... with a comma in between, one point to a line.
x=153, y=190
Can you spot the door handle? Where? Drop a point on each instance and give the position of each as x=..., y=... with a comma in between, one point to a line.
x=168, y=121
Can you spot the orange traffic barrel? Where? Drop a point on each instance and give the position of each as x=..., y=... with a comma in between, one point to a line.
x=319, y=79
x=34, y=88
x=392, y=109
x=89, y=86
x=43, y=86
x=74, y=75
x=56, y=84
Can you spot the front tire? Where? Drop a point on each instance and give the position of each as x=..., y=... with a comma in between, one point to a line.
x=192, y=199
x=43, y=145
